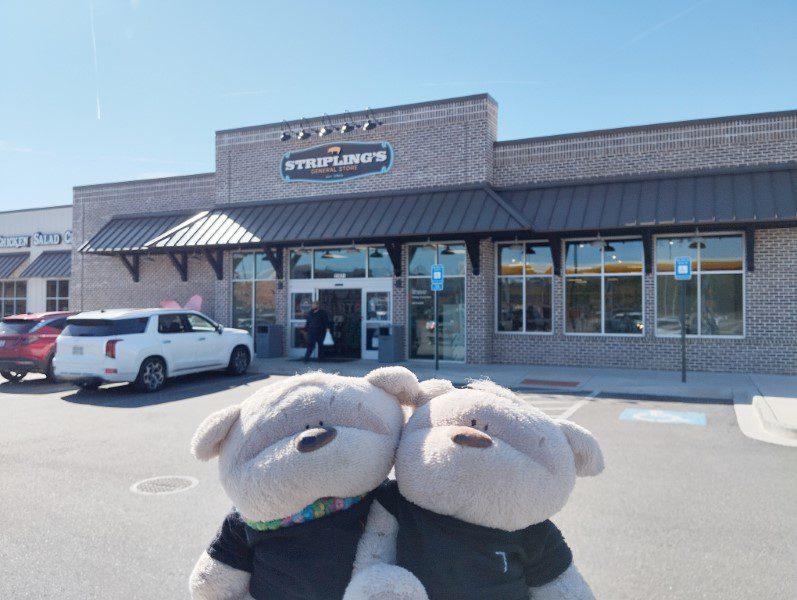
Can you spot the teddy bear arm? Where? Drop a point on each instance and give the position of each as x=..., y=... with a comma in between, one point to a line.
x=213, y=580
x=570, y=585
x=378, y=542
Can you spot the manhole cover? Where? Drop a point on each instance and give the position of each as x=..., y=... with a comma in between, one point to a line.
x=169, y=484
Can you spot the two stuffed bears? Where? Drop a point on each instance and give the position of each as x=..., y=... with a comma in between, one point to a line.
x=478, y=474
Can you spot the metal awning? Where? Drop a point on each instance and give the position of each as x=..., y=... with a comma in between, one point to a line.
x=766, y=195
x=373, y=217
x=52, y=263
x=130, y=233
x=10, y=262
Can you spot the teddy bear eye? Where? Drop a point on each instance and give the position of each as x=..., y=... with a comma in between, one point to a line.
x=320, y=423
x=486, y=425
x=307, y=426
x=473, y=423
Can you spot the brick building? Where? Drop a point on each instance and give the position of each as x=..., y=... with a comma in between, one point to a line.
x=556, y=250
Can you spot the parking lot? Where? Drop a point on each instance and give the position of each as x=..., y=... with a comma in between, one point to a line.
x=683, y=510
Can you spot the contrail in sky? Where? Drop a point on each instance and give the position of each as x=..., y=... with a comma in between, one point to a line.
x=94, y=45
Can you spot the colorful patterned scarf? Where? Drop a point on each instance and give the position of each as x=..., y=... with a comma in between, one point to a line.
x=316, y=510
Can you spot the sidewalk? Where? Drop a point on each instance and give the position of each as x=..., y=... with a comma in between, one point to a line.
x=766, y=405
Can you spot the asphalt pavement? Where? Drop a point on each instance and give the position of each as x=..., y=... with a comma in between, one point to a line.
x=682, y=510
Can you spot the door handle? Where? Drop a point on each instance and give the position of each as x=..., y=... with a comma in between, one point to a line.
x=201, y=339
x=167, y=342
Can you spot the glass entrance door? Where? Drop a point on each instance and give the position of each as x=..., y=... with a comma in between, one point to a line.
x=359, y=311
x=344, y=307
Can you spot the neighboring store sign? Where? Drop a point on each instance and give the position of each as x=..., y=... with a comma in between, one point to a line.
x=37, y=239
x=337, y=161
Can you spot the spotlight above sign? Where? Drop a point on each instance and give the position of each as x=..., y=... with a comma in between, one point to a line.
x=337, y=161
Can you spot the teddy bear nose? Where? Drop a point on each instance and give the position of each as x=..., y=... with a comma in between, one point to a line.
x=473, y=438
x=313, y=439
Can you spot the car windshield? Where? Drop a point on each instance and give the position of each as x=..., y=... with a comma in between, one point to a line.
x=104, y=327
x=10, y=326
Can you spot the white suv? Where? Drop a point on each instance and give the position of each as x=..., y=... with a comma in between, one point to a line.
x=146, y=346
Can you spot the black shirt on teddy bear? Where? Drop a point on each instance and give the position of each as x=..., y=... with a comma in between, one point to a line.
x=307, y=561
x=455, y=560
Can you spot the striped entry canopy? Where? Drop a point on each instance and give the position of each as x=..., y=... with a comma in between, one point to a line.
x=52, y=263
x=741, y=198
x=10, y=262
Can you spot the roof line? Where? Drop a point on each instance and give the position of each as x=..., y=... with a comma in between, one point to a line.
x=19, y=210
x=648, y=127
x=787, y=166
x=170, y=178
x=482, y=96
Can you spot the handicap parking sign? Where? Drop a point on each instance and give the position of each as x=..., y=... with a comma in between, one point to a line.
x=437, y=278
x=683, y=268
x=669, y=417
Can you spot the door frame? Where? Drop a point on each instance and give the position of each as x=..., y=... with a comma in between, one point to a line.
x=364, y=284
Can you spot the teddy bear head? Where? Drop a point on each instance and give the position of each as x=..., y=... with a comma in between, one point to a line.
x=485, y=456
x=307, y=437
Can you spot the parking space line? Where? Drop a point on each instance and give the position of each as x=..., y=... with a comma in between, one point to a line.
x=569, y=412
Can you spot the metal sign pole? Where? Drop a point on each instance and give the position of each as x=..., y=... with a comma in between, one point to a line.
x=683, y=331
x=436, y=335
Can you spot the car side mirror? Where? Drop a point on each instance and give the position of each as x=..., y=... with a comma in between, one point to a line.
x=219, y=328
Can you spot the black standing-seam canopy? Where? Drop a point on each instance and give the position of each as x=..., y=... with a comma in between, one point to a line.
x=130, y=233
x=52, y=263
x=10, y=262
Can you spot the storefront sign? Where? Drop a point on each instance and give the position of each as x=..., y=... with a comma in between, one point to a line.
x=338, y=161
x=37, y=239
x=14, y=241
x=437, y=278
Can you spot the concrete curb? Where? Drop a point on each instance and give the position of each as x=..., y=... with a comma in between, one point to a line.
x=770, y=420
x=752, y=424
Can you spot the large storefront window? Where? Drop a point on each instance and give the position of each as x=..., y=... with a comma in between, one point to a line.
x=340, y=263
x=254, y=290
x=603, y=287
x=525, y=271
x=13, y=297
x=451, y=301
x=715, y=292
x=57, y=295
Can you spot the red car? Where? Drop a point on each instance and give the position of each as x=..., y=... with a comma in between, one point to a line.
x=27, y=343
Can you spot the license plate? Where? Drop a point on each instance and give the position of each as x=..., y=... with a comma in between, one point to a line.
x=77, y=350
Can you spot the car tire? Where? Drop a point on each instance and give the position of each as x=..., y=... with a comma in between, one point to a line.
x=151, y=375
x=88, y=386
x=239, y=361
x=13, y=376
x=48, y=371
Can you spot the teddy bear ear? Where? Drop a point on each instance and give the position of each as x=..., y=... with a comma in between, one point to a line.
x=208, y=437
x=431, y=388
x=587, y=452
x=398, y=381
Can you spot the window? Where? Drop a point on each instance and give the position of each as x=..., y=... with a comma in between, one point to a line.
x=525, y=272
x=13, y=298
x=451, y=301
x=715, y=292
x=198, y=323
x=603, y=287
x=105, y=327
x=172, y=323
x=254, y=289
x=334, y=263
x=57, y=298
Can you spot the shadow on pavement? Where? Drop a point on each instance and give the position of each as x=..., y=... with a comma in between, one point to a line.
x=33, y=385
x=176, y=389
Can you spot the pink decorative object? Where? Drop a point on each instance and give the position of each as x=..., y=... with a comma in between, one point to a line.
x=169, y=304
x=194, y=303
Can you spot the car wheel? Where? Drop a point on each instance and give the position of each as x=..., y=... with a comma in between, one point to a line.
x=88, y=385
x=48, y=371
x=239, y=361
x=151, y=375
x=13, y=376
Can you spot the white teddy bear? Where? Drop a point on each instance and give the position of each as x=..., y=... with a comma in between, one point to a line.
x=479, y=474
x=300, y=460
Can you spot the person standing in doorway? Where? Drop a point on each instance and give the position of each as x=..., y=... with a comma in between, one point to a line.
x=315, y=329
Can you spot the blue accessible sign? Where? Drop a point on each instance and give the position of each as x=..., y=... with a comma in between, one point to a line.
x=669, y=417
x=683, y=268
x=437, y=278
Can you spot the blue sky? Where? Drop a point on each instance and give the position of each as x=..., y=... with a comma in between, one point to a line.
x=171, y=72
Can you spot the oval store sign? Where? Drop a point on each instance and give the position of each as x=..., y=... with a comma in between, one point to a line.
x=333, y=162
